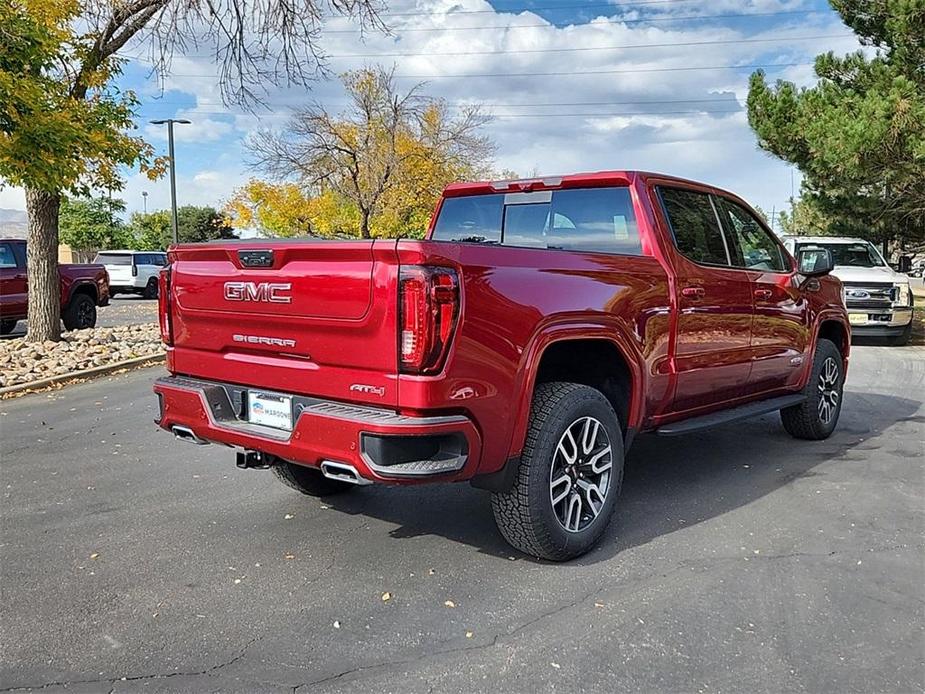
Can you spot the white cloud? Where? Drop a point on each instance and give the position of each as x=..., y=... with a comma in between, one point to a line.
x=715, y=147
x=207, y=187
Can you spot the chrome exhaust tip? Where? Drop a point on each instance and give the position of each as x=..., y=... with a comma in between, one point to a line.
x=342, y=472
x=187, y=434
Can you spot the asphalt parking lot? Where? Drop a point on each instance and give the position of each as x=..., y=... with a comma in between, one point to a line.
x=740, y=560
x=124, y=309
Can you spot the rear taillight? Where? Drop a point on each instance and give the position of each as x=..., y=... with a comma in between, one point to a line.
x=163, y=305
x=134, y=269
x=429, y=309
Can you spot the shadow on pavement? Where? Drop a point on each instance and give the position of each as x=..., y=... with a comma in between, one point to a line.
x=669, y=483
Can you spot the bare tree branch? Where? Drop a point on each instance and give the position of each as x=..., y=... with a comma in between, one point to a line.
x=364, y=153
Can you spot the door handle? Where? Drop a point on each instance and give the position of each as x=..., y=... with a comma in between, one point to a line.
x=693, y=292
x=763, y=294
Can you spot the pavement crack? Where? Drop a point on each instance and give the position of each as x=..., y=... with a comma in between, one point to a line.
x=114, y=681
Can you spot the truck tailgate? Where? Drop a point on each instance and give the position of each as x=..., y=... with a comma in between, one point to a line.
x=315, y=318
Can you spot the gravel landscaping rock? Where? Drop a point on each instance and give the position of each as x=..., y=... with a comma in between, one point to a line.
x=24, y=362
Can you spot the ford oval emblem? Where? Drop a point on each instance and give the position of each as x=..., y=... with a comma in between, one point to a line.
x=858, y=294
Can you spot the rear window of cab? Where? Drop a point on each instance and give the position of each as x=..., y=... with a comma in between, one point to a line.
x=113, y=259
x=590, y=220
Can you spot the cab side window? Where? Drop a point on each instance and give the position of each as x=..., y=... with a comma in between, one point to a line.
x=696, y=230
x=753, y=246
x=7, y=256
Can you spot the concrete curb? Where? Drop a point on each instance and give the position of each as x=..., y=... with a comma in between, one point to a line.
x=86, y=374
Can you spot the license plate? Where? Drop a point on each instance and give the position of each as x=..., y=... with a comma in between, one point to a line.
x=857, y=318
x=269, y=409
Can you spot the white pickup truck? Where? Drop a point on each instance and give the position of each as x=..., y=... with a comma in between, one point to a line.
x=878, y=298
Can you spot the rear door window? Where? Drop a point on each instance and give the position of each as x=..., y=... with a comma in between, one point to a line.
x=696, y=229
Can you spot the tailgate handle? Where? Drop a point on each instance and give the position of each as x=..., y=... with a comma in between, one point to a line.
x=256, y=258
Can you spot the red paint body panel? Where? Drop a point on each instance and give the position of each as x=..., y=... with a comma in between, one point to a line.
x=695, y=338
x=14, y=289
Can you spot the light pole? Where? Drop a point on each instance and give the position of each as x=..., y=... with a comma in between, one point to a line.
x=144, y=198
x=173, y=171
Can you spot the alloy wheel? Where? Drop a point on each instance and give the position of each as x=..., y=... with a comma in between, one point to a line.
x=579, y=479
x=828, y=390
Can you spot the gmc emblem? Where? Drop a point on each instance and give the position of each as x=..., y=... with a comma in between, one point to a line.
x=269, y=292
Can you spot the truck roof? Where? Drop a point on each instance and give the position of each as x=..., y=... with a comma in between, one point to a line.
x=567, y=181
x=110, y=251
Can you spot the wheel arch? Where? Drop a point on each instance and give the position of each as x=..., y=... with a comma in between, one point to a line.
x=88, y=288
x=834, y=327
x=596, y=355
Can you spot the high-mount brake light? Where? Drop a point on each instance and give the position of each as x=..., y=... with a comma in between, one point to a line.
x=428, y=310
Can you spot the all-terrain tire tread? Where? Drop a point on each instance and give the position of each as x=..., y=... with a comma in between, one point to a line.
x=802, y=421
x=513, y=510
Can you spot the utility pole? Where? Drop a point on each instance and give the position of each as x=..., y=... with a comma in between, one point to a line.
x=144, y=198
x=173, y=171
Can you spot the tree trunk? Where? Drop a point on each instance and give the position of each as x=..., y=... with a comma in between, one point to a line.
x=364, y=225
x=44, y=288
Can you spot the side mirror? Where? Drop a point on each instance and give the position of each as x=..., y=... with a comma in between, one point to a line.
x=904, y=265
x=815, y=262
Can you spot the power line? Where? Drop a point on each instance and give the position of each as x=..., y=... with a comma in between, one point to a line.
x=573, y=6
x=621, y=113
x=531, y=104
x=558, y=25
x=519, y=51
x=572, y=115
x=718, y=42
x=576, y=73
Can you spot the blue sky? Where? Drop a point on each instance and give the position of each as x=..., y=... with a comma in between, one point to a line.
x=574, y=85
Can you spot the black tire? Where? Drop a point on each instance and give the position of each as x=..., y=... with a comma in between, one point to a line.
x=150, y=291
x=7, y=326
x=308, y=480
x=816, y=417
x=80, y=313
x=527, y=515
x=903, y=338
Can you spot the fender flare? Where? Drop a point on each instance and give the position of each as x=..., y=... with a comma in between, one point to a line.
x=606, y=330
x=827, y=315
x=77, y=287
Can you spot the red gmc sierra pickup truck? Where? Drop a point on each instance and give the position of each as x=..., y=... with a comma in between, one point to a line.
x=83, y=288
x=521, y=346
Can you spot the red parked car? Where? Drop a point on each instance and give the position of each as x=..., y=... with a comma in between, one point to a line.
x=540, y=326
x=83, y=288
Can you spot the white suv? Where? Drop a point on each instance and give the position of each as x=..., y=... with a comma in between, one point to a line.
x=878, y=298
x=132, y=272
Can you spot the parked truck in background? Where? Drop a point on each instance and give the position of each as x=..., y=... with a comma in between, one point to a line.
x=879, y=299
x=540, y=326
x=84, y=287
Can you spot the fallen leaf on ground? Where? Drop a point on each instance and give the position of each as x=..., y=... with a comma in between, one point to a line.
x=386, y=597
x=468, y=634
x=94, y=555
x=288, y=516
x=336, y=624
x=450, y=603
